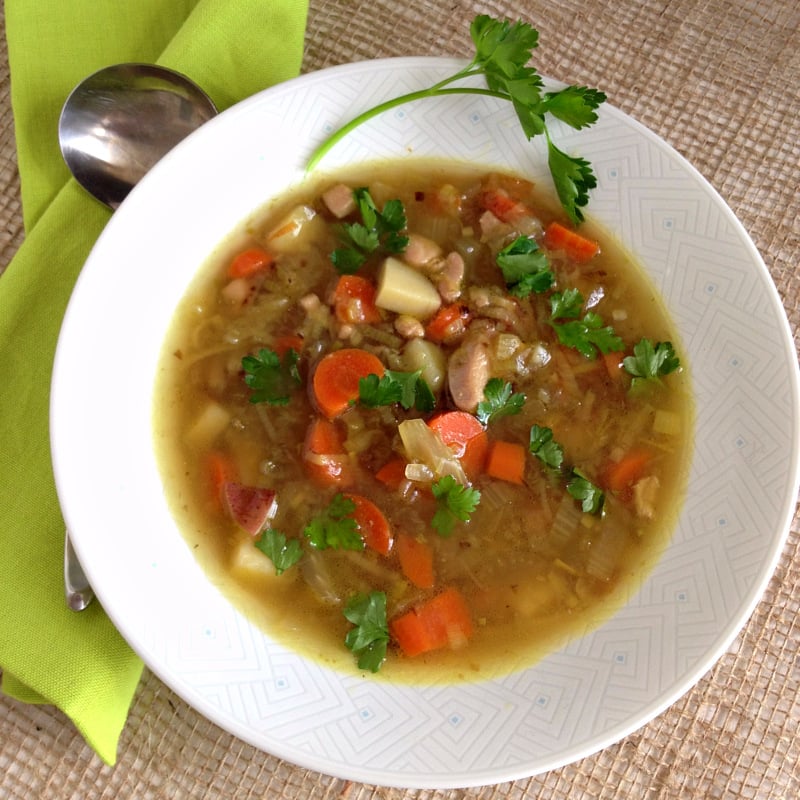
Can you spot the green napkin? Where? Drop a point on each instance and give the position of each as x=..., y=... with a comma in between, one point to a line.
x=232, y=48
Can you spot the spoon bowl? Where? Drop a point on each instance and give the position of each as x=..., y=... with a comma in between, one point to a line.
x=117, y=123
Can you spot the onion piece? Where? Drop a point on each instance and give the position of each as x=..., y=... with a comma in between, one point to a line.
x=425, y=446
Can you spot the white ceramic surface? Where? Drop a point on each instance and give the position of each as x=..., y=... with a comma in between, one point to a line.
x=743, y=481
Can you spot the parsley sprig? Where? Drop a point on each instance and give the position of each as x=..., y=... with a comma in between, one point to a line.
x=454, y=503
x=525, y=267
x=586, y=334
x=271, y=379
x=283, y=552
x=335, y=527
x=500, y=400
x=409, y=389
x=369, y=637
x=502, y=52
x=378, y=231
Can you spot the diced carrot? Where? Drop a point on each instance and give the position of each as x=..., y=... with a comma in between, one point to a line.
x=289, y=341
x=392, y=473
x=416, y=560
x=354, y=300
x=336, y=378
x=503, y=205
x=372, y=524
x=448, y=323
x=506, y=461
x=250, y=262
x=220, y=469
x=613, y=364
x=442, y=621
x=465, y=436
x=622, y=474
x=323, y=454
x=575, y=246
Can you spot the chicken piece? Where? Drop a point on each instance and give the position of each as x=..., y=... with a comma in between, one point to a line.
x=339, y=200
x=468, y=371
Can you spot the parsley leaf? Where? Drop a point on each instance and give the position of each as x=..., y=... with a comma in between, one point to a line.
x=334, y=527
x=566, y=304
x=525, y=267
x=649, y=362
x=543, y=446
x=283, y=552
x=587, y=335
x=409, y=389
x=502, y=52
x=454, y=502
x=573, y=178
x=369, y=637
x=271, y=379
x=500, y=401
x=378, y=230
x=581, y=488
x=575, y=105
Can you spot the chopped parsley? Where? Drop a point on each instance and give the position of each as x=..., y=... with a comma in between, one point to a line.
x=500, y=401
x=454, y=503
x=525, y=267
x=283, y=552
x=587, y=335
x=369, y=637
x=409, y=389
x=271, y=379
x=545, y=448
x=582, y=489
x=335, y=527
x=551, y=454
x=378, y=231
x=650, y=362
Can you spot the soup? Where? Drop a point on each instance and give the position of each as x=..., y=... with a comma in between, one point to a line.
x=409, y=420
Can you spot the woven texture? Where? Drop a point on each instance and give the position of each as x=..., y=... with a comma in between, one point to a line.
x=720, y=81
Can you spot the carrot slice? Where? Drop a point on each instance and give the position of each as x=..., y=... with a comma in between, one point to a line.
x=250, y=262
x=447, y=323
x=372, y=524
x=354, y=300
x=442, y=621
x=289, y=341
x=392, y=473
x=337, y=375
x=621, y=475
x=416, y=560
x=323, y=454
x=575, y=246
x=220, y=469
x=465, y=435
x=506, y=461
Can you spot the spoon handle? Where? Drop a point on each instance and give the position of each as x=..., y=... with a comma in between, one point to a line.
x=77, y=590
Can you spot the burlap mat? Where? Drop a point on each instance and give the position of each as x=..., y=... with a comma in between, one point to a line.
x=720, y=81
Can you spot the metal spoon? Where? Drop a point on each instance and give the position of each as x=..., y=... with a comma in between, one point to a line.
x=115, y=125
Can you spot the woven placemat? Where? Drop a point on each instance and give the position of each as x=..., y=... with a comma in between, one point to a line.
x=720, y=81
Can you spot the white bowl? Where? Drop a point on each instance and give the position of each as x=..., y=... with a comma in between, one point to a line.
x=742, y=487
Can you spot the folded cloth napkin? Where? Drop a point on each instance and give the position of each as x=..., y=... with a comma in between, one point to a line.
x=232, y=48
